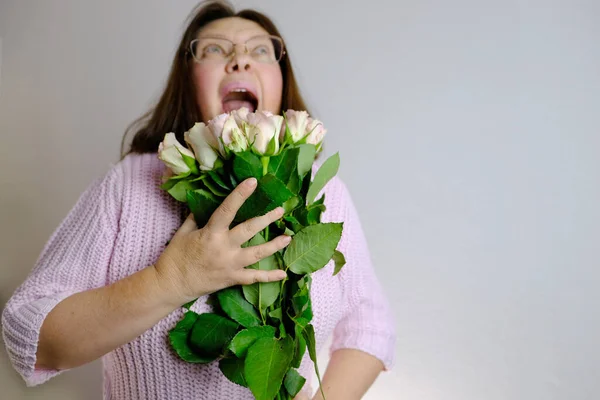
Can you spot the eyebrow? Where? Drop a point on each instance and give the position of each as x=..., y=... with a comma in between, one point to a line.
x=218, y=36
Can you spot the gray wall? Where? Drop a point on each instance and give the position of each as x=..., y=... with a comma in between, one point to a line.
x=468, y=138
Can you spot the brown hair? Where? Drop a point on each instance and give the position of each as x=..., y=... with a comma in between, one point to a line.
x=176, y=110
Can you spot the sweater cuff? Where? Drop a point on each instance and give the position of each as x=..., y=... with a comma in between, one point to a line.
x=381, y=345
x=21, y=333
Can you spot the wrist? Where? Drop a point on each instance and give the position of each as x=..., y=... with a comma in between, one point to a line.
x=167, y=292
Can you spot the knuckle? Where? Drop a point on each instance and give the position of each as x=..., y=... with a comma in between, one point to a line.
x=249, y=227
x=225, y=208
x=240, y=193
x=260, y=276
x=259, y=253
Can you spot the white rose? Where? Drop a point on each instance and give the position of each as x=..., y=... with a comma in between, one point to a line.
x=233, y=137
x=204, y=144
x=240, y=115
x=170, y=152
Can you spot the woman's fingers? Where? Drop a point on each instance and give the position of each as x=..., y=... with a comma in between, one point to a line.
x=189, y=225
x=252, y=255
x=250, y=276
x=225, y=213
x=246, y=231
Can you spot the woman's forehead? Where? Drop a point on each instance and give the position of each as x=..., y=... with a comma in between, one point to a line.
x=233, y=28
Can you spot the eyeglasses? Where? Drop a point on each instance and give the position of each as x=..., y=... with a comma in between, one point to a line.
x=265, y=49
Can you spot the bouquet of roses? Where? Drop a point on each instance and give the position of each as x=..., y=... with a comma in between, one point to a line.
x=260, y=332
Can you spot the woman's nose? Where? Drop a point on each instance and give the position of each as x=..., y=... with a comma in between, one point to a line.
x=240, y=61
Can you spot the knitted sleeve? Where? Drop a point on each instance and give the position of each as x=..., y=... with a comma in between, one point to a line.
x=367, y=323
x=74, y=259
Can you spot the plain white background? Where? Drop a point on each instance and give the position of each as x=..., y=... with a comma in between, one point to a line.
x=469, y=137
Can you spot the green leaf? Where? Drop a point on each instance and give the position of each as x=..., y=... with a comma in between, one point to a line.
x=233, y=180
x=180, y=189
x=293, y=223
x=289, y=232
x=306, y=158
x=203, y=204
x=312, y=248
x=190, y=162
x=246, y=338
x=293, y=382
x=305, y=185
x=276, y=314
x=260, y=294
x=313, y=216
x=309, y=336
x=178, y=337
x=307, y=312
x=233, y=369
x=310, y=215
x=215, y=189
x=299, y=341
x=300, y=301
x=294, y=184
x=272, y=146
x=237, y=308
x=266, y=365
x=173, y=180
x=285, y=165
x=211, y=333
x=327, y=171
x=291, y=204
x=303, y=307
x=219, y=180
x=301, y=323
x=339, y=260
x=300, y=298
x=270, y=194
x=247, y=165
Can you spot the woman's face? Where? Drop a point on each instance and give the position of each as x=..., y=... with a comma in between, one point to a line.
x=223, y=85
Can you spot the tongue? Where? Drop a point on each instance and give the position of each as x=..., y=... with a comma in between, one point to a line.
x=230, y=105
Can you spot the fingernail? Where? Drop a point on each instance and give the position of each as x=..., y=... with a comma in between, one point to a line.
x=286, y=240
x=279, y=211
x=251, y=182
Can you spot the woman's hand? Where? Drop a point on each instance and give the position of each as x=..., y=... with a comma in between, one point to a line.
x=198, y=262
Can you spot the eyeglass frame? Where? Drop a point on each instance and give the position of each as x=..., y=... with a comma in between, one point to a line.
x=229, y=57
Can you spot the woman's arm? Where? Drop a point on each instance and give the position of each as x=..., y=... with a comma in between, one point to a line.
x=350, y=373
x=85, y=326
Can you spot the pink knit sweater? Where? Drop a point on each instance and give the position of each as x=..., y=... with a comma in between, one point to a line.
x=120, y=225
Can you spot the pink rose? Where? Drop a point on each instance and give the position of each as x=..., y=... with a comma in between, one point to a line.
x=297, y=122
x=317, y=132
x=263, y=128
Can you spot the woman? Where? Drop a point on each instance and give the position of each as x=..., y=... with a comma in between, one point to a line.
x=108, y=286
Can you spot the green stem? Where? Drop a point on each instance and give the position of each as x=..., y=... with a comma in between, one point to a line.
x=262, y=315
x=265, y=164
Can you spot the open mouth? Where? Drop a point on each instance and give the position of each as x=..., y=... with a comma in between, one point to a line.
x=238, y=98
